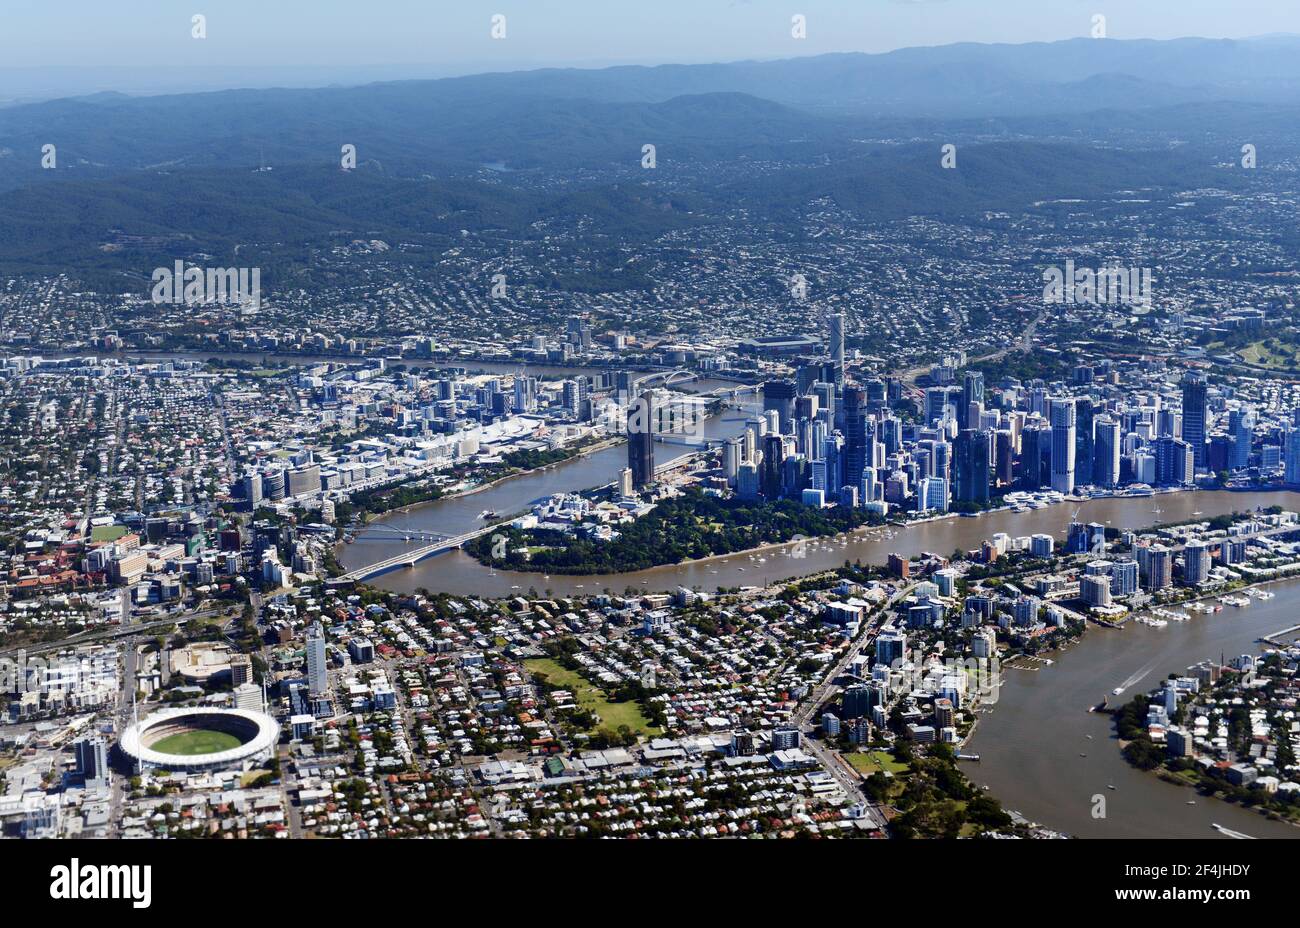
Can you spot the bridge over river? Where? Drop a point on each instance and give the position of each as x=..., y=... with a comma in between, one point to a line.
x=413, y=556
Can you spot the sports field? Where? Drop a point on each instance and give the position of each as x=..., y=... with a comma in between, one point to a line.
x=196, y=742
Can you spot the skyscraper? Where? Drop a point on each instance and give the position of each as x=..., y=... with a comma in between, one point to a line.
x=932, y=493
x=837, y=339
x=971, y=466
x=1175, y=462
x=972, y=392
x=1035, y=445
x=1106, y=448
x=1084, y=436
x=1196, y=563
x=1159, y=567
x=832, y=461
x=641, y=440
x=779, y=395
x=937, y=400
x=1241, y=433
x=92, y=762
x=253, y=489
x=772, y=473
x=1292, y=460
x=317, y=668
x=1063, y=439
x=1194, y=411
x=1003, y=457
x=733, y=455
x=855, y=435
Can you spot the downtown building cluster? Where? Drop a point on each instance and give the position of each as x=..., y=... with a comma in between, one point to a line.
x=955, y=442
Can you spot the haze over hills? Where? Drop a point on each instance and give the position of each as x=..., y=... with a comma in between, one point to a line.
x=862, y=130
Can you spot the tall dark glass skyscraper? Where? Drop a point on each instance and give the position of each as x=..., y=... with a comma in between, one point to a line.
x=641, y=440
x=772, y=475
x=972, y=391
x=1084, y=438
x=971, y=466
x=855, y=435
x=780, y=395
x=1194, y=410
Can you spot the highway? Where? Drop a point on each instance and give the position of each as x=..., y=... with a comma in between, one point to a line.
x=831, y=761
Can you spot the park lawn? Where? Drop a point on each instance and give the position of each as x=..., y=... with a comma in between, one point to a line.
x=1259, y=353
x=107, y=532
x=869, y=762
x=588, y=696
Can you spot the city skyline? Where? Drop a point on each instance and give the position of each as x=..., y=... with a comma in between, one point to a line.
x=859, y=422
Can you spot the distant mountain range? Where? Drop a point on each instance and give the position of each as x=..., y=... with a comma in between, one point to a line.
x=575, y=118
x=955, y=80
x=860, y=129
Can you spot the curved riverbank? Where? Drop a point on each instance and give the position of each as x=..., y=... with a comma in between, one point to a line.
x=457, y=572
x=1031, y=739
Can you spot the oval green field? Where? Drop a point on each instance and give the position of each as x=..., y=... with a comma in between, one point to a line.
x=188, y=743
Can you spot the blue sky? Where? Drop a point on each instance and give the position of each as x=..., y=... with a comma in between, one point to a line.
x=386, y=38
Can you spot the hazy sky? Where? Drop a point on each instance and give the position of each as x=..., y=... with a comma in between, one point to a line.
x=435, y=37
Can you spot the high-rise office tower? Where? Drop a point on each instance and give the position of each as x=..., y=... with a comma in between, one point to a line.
x=972, y=392
x=779, y=396
x=805, y=375
x=971, y=466
x=1194, y=413
x=832, y=461
x=890, y=434
x=1241, y=433
x=733, y=455
x=825, y=393
x=1003, y=457
x=932, y=493
x=1084, y=437
x=936, y=402
x=641, y=440
x=878, y=394
x=1291, y=461
x=1063, y=447
x=1105, y=462
x=941, y=461
x=1035, y=444
x=1175, y=462
x=856, y=449
x=772, y=472
x=623, y=386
